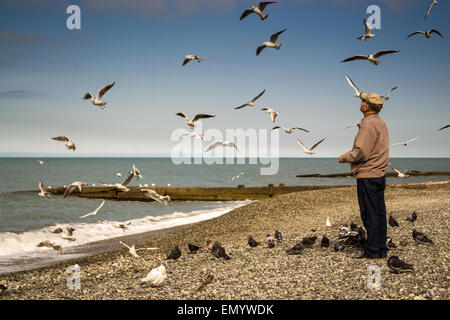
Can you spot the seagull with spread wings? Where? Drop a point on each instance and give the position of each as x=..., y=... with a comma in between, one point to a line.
x=289, y=130
x=273, y=113
x=122, y=186
x=351, y=126
x=405, y=143
x=194, y=135
x=271, y=43
x=386, y=98
x=447, y=126
x=191, y=122
x=427, y=34
x=43, y=192
x=93, y=213
x=372, y=58
x=257, y=10
x=252, y=102
x=70, y=145
x=221, y=144
x=191, y=57
x=156, y=196
x=97, y=101
x=309, y=150
x=367, y=33
x=401, y=174
x=74, y=186
x=133, y=251
x=353, y=85
x=432, y=4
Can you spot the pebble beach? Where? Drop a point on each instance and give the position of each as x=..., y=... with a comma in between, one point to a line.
x=263, y=273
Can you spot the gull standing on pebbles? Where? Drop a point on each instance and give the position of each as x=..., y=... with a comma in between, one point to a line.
x=156, y=276
x=191, y=57
x=289, y=130
x=372, y=58
x=386, y=98
x=258, y=10
x=97, y=101
x=221, y=144
x=44, y=193
x=405, y=143
x=401, y=174
x=157, y=197
x=272, y=112
x=271, y=43
x=310, y=150
x=252, y=102
x=432, y=4
x=328, y=223
x=447, y=126
x=191, y=122
x=367, y=33
x=353, y=85
x=427, y=34
x=93, y=213
x=70, y=145
x=73, y=186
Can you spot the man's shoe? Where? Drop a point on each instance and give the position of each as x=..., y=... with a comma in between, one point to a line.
x=364, y=256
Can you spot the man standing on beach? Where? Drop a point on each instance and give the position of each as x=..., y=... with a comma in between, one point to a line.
x=369, y=158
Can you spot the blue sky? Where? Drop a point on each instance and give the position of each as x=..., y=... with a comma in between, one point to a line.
x=45, y=69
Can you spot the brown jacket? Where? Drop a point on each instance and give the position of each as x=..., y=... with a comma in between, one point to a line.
x=370, y=155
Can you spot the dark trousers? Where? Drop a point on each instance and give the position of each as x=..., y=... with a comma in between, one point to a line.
x=373, y=214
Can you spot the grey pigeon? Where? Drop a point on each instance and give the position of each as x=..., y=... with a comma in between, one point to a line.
x=270, y=241
x=325, y=243
x=252, y=242
x=339, y=246
x=397, y=265
x=175, y=254
x=297, y=249
x=412, y=218
x=419, y=237
x=392, y=222
x=309, y=241
x=218, y=251
x=193, y=248
x=278, y=235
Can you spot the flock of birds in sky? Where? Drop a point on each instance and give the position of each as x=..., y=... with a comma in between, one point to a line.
x=349, y=235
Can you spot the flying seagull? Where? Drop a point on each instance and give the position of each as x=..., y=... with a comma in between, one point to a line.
x=237, y=177
x=367, y=33
x=157, y=197
x=447, y=126
x=194, y=135
x=272, y=112
x=353, y=85
x=43, y=193
x=386, y=98
x=136, y=173
x=122, y=186
x=258, y=10
x=133, y=251
x=73, y=186
x=252, y=102
x=310, y=150
x=430, y=7
x=405, y=143
x=401, y=174
x=372, y=58
x=427, y=34
x=97, y=101
x=49, y=244
x=221, y=144
x=191, y=57
x=191, y=122
x=289, y=130
x=397, y=265
x=93, y=213
x=70, y=145
x=351, y=126
x=156, y=276
x=271, y=43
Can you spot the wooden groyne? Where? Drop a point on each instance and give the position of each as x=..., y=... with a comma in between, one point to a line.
x=388, y=174
x=216, y=193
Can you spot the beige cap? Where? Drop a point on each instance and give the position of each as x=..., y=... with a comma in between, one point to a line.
x=372, y=98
